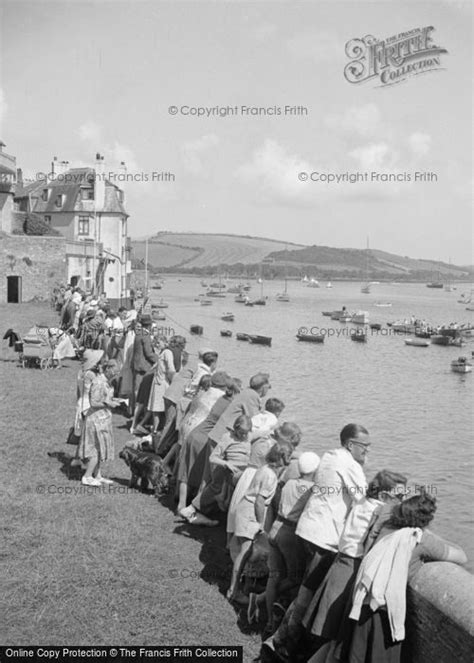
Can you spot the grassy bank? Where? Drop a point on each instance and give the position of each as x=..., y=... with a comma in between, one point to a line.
x=92, y=566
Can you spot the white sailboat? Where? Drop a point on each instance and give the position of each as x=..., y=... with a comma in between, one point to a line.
x=365, y=289
x=284, y=296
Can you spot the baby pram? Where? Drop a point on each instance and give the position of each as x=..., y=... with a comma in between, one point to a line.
x=37, y=348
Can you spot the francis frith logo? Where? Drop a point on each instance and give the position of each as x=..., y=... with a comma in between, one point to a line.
x=393, y=59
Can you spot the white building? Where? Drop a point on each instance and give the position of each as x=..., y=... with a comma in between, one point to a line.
x=88, y=210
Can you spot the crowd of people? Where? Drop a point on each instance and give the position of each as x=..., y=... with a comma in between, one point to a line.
x=321, y=556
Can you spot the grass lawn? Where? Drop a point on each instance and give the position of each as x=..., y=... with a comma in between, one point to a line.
x=86, y=566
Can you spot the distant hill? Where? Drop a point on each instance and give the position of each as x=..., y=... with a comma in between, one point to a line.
x=200, y=250
x=203, y=253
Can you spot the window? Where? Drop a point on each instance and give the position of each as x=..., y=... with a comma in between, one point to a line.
x=83, y=226
x=59, y=201
x=47, y=219
x=87, y=194
x=44, y=195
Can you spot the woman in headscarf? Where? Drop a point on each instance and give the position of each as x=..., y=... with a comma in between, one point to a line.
x=192, y=454
x=97, y=443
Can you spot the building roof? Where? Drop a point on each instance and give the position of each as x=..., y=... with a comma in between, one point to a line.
x=70, y=185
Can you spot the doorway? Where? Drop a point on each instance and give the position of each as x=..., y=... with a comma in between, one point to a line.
x=13, y=289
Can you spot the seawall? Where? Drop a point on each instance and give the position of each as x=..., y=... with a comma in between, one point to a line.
x=440, y=615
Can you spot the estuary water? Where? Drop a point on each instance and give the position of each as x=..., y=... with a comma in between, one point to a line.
x=418, y=412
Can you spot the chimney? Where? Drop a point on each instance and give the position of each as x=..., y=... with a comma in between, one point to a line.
x=19, y=177
x=99, y=182
x=2, y=145
x=54, y=166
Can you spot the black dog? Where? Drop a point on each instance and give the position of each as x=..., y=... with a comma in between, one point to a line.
x=146, y=467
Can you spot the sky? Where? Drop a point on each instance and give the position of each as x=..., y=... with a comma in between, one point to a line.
x=84, y=77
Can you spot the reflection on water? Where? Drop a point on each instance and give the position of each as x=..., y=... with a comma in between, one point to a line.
x=418, y=412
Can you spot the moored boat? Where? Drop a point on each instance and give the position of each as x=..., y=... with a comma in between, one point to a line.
x=360, y=318
x=229, y=317
x=376, y=326
x=161, y=304
x=260, y=302
x=359, y=336
x=226, y=332
x=461, y=365
x=241, y=299
x=328, y=314
x=417, y=342
x=383, y=304
x=310, y=338
x=206, y=302
x=260, y=340
x=313, y=283
x=242, y=337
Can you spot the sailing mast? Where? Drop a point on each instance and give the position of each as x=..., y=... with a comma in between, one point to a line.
x=366, y=288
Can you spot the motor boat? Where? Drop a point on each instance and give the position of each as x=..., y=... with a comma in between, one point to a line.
x=418, y=342
x=226, y=332
x=310, y=338
x=260, y=340
x=283, y=297
x=228, y=317
x=241, y=299
x=206, y=302
x=359, y=336
x=242, y=337
x=383, y=304
x=161, y=304
x=461, y=365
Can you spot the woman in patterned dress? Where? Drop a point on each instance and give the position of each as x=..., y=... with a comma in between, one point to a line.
x=97, y=442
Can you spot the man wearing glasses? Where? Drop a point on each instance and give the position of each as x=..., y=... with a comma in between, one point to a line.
x=340, y=483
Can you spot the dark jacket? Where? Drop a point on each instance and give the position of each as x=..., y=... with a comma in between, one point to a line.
x=143, y=355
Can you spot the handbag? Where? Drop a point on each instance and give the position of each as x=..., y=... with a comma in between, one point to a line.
x=72, y=438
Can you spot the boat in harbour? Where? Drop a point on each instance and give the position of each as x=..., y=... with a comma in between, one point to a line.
x=329, y=284
x=461, y=365
x=161, y=304
x=242, y=337
x=328, y=314
x=360, y=318
x=226, y=332
x=206, y=302
x=241, y=298
x=310, y=338
x=260, y=340
x=383, y=304
x=417, y=342
x=313, y=283
x=359, y=336
x=229, y=317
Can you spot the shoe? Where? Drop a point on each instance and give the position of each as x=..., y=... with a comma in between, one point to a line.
x=108, y=482
x=199, y=519
x=252, y=610
x=140, y=430
x=91, y=481
x=188, y=512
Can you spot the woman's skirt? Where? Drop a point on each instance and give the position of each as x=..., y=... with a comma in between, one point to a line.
x=97, y=436
x=240, y=490
x=156, y=402
x=326, y=611
x=192, y=459
x=144, y=390
x=372, y=639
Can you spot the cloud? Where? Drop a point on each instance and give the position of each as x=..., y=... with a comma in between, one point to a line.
x=375, y=156
x=90, y=132
x=273, y=172
x=360, y=120
x=193, y=153
x=420, y=144
x=316, y=46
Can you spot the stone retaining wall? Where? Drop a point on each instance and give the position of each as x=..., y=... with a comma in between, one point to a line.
x=440, y=616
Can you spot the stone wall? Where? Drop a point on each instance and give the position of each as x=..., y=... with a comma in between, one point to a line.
x=39, y=261
x=440, y=616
